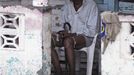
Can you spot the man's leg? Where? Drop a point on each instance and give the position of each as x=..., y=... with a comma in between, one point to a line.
x=55, y=59
x=69, y=46
x=55, y=62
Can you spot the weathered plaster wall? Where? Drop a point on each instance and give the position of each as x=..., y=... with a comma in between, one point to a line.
x=29, y=60
x=118, y=59
x=46, y=44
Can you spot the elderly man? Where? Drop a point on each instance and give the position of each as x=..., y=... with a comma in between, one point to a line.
x=82, y=15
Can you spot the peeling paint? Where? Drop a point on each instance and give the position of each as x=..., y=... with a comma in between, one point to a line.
x=15, y=67
x=117, y=59
x=30, y=60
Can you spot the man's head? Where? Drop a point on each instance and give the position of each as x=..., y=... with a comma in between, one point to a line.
x=77, y=1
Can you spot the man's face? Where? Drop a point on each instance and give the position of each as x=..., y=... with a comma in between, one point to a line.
x=77, y=1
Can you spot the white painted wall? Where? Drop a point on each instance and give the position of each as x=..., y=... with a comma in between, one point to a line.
x=117, y=59
x=28, y=61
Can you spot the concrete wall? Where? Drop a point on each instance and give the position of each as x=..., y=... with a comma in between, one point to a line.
x=34, y=58
x=118, y=57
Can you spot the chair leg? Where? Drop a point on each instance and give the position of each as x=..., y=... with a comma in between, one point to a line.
x=90, y=57
x=77, y=59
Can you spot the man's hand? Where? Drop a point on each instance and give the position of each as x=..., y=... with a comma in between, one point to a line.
x=65, y=34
